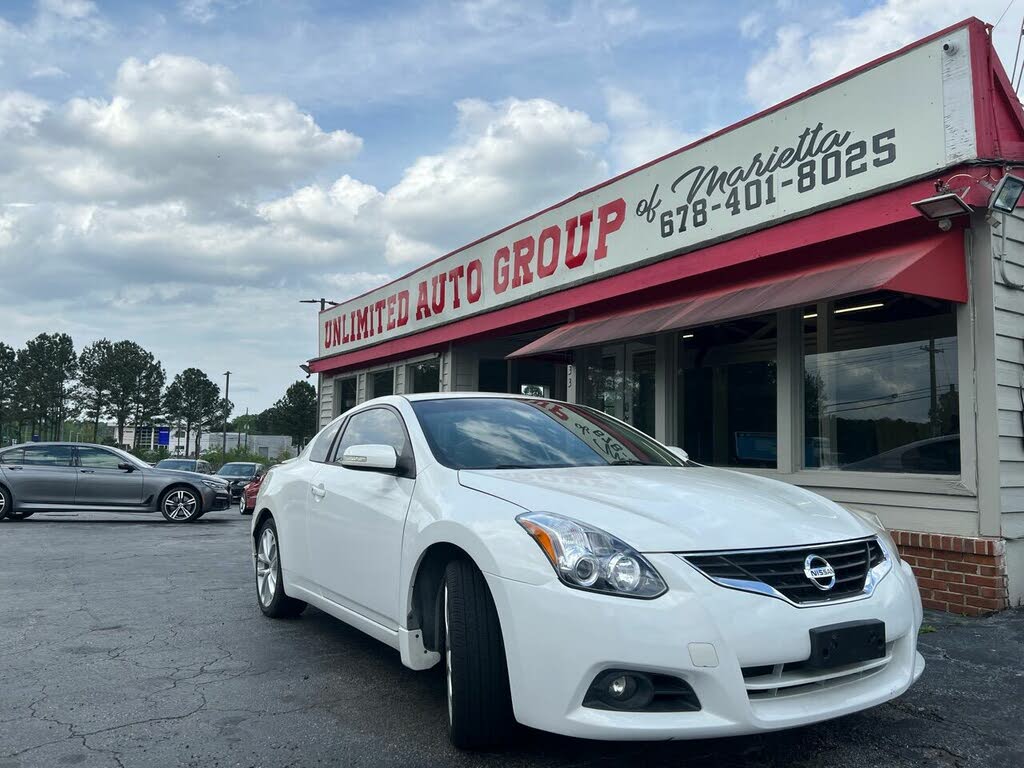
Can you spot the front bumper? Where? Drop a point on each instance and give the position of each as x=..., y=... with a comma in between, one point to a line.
x=557, y=640
x=216, y=500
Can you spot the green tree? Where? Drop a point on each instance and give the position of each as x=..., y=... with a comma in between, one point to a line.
x=192, y=399
x=94, y=377
x=295, y=413
x=130, y=366
x=8, y=389
x=45, y=382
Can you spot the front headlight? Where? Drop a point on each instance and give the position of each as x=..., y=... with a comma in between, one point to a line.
x=587, y=558
x=886, y=540
x=215, y=485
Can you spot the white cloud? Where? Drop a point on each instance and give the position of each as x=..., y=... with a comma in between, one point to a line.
x=806, y=52
x=205, y=11
x=752, y=25
x=639, y=135
x=510, y=158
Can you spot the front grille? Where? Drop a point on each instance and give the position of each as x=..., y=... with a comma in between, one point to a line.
x=782, y=570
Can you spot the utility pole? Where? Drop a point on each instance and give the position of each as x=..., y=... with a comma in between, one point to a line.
x=227, y=389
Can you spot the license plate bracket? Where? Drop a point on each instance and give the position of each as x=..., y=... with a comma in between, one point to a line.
x=848, y=643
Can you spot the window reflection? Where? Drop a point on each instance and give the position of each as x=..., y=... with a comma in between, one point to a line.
x=424, y=377
x=726, y=389
x=880, y=385
x=620, y=380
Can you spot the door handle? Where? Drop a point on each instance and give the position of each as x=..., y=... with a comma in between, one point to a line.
x=88, y=471
x=318, y=491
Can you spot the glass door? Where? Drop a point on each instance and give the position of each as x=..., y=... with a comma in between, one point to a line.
x=620, y=380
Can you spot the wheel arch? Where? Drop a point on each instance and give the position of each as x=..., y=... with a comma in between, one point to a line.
x=425, y=590
x=258, y=518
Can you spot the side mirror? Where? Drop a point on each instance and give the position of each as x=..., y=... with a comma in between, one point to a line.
x=379, y=458
x=679, y=452
x=126, y=466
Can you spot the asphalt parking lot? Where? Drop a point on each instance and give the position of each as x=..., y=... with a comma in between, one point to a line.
x=127, y=641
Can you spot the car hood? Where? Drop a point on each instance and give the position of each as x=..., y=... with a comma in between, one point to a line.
x=676, y=509
x=178, y=474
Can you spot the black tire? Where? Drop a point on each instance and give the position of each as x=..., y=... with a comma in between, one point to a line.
x=476, y=672
x=181, y=504
x=269, y=584
x=6, y=502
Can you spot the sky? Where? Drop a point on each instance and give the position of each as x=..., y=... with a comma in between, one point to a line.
x=183, y=173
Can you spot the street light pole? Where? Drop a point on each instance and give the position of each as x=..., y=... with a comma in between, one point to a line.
x=321, y=301
x=227, y=390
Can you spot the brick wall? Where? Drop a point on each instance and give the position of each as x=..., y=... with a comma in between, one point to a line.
x=957, y=574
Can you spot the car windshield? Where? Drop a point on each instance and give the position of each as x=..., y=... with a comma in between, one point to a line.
x=505, y=433
x=237, y=470
x=184, y=464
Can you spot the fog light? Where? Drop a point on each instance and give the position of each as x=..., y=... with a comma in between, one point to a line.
x=622, y=687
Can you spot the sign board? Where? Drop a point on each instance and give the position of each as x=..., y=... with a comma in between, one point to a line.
x=163, y=436
x=903, y=119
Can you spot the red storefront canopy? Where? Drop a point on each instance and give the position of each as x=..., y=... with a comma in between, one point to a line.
x=932, y=266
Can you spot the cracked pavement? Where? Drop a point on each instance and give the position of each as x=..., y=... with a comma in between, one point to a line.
x=128, y=641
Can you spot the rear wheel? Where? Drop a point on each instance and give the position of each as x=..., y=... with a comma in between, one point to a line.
x=476, y=673
x=181, y=505
x=269, y=584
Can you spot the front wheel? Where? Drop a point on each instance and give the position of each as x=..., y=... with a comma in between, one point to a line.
x=181, y=505
x=476, y=672
x=269, y=584
x=6, y=504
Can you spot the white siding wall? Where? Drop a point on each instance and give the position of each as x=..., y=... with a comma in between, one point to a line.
x=1008, y=298
x=326, y=399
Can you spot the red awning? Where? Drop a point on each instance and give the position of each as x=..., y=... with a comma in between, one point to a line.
x=931, y=267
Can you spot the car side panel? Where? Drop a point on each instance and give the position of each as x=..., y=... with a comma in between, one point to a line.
x=286, y=493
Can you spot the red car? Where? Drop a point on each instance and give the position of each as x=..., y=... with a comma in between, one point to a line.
x=247, y=501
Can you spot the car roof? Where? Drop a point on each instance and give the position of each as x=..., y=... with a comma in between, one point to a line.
x=468, y=395
x=57, y=443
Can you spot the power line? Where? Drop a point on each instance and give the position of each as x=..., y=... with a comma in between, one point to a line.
x=1005, y=10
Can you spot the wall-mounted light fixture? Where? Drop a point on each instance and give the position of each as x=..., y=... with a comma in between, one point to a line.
x=944, y=206
x=1006, y=194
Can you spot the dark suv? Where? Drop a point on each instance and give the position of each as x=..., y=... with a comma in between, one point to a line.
x=239, y=474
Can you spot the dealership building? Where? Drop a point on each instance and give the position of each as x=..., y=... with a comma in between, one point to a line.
x=830, y=293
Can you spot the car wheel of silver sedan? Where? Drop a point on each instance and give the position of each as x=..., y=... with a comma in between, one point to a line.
x=181, y=505
x=269, y=584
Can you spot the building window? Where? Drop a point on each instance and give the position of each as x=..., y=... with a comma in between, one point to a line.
x=382, y=383
x=619, y=379
x=344, y=395
x=424, y=377
x=726, y=393
x=880, y=385
x=492, y=376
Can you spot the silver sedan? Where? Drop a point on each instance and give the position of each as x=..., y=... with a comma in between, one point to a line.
x=54, y=476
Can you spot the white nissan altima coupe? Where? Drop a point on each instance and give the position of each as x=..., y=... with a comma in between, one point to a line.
x=576, y=576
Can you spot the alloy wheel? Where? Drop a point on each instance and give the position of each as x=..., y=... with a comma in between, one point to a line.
x=266, y=567
x=180, y=504
x=3, y=505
